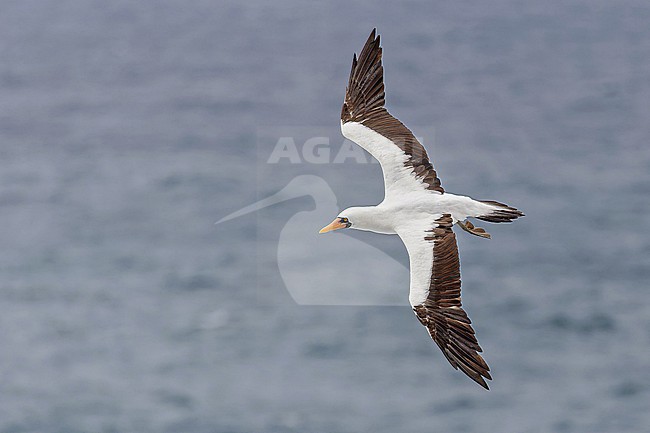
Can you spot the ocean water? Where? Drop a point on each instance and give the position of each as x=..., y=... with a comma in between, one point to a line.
x=128, y=128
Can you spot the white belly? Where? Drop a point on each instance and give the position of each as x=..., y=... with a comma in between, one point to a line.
x=426, y=206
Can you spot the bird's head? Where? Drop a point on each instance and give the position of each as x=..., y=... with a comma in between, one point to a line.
x=340, y=222
x=353, y=217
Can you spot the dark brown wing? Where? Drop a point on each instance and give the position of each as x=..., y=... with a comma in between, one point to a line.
x=442, y=311
x=364, y=103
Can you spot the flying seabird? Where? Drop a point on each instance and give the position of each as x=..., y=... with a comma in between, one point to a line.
x=418, y=209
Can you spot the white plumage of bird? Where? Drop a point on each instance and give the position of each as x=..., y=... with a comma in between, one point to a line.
x=418, y=210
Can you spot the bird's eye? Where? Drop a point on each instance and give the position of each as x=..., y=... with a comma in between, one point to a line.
x=344, y=220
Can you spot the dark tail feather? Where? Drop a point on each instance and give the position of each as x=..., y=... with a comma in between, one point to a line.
x=503, y=213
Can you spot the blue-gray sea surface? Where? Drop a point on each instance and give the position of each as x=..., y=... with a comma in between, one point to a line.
x=128, y=128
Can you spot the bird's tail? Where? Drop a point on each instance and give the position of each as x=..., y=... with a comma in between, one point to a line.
x=499, y=212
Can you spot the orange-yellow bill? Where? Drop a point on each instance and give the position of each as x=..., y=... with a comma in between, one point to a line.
x=334, y=225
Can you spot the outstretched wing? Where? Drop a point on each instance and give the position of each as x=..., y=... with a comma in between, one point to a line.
x=365, y=121
x=435, y=296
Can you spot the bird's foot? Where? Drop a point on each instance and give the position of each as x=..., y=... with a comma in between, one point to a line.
x=476, y=231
